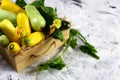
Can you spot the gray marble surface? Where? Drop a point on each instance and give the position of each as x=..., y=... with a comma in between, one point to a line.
x=99, y=22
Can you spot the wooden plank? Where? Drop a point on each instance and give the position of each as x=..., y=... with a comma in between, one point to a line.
x=27, y=57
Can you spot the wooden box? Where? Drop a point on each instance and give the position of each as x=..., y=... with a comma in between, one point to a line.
x=29, y=56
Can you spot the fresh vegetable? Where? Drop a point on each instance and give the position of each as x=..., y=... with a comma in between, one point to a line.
x=4, y=14
x=10, y=6
x=4, y=41
x=48, y=13
x=36, y=19
x=64, y=25
x=14, y=47
x=23, y=25
x=34, y=38
x=41, y=18
x=7, y=27
x=53, y=23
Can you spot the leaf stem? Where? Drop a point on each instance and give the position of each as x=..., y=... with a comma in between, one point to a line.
x=66, y=48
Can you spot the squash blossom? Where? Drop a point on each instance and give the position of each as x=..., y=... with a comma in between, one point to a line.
x=56, y=23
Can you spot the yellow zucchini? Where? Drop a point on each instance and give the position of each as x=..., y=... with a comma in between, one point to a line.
x=10, y=6
x=7, y=27
x=14, y=47
x=34, y=38
x=23, y=25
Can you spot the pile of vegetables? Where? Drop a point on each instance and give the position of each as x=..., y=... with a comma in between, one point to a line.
x=26, y=25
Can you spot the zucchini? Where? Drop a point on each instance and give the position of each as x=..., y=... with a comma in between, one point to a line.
x=4, y=14
x=36, y=19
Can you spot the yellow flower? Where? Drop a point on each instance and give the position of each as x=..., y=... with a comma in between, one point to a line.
x=57, y=23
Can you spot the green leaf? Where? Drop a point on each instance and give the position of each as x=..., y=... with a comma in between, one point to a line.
x=73, y=43
x=51, y=11
x=38, y=3
x=42, y=67
x=76, y=33
x=49, y=14
x=56, y=63
x=73, y=40
x=86, y=48
x=21, y=3
x=58, y=35
x=89, y=49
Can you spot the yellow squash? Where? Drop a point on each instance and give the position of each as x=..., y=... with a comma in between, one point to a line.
x=23, y=27
x=10, y=6
x=7, y=27
x=14, y=47
x=34, y=38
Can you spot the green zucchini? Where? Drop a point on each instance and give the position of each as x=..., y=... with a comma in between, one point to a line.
x=4, y=14
x=4, y=41
x=36, y=19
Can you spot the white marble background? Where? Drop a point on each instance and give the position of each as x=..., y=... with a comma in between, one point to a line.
x=99, y=22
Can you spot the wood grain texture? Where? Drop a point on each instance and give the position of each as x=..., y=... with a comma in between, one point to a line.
x=27, y=57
